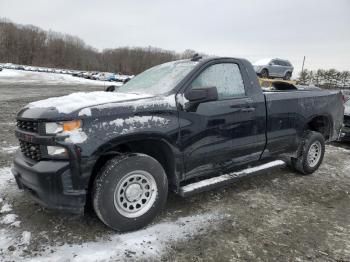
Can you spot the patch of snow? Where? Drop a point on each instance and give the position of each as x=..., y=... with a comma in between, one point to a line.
x=142, y=120
x=72, y=102
x=16, y=224
x=225, y=177
x=182, y=100
x=76, y=136
x=40, y=78
x=8, y=219
x=9, y=149
x=6, y=208
x=170, y=100
x=10, y=73
x=337, y=148
x=5, y=178
x=157, y=101
x=5, y=239
x=85, y=112
x=117, y=122
x=146, y=244
x=8, y=123
x=26, y=236
x=132, y=123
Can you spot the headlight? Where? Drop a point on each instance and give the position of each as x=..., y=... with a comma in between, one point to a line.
x=55, y=128
x=56, y=151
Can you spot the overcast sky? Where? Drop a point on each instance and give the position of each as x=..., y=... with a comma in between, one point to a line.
x=252, y=29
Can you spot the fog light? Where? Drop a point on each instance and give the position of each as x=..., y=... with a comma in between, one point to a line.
x=56, y=151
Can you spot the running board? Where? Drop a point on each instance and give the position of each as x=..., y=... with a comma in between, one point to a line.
x=214, y=182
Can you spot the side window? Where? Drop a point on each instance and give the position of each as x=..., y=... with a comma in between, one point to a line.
x=226, y=77
x=277, y=62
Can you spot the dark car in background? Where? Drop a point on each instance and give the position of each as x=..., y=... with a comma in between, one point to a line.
x=346, y=128
x=270, y=68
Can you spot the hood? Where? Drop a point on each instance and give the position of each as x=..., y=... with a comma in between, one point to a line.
x=67, y=105
x=94, y=104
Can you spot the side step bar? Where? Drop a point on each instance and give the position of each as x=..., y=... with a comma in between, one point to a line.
x=214, y=182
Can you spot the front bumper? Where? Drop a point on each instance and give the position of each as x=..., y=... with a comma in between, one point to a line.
x=50, y=183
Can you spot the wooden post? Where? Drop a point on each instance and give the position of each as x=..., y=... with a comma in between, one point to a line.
x=302, y=68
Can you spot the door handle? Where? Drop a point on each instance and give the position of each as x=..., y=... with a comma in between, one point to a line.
x=248, y=109
x=236, y=109
x=245, y=109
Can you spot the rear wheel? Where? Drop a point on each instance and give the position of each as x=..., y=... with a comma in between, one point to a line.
x=310, y=154
x=129, y=191
x=264, y=73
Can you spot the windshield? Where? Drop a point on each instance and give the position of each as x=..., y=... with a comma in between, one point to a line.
x=159, y=79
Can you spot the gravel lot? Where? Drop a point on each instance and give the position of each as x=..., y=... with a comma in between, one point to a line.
x=278, y=216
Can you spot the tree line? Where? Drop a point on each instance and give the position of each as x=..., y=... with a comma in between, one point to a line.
x=330, y=79
x=30, y=45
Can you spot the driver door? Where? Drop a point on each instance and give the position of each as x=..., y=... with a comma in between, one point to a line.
x=218, y=134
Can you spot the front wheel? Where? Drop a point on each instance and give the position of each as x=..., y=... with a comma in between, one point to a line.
x=310, y=154
x=129, y=191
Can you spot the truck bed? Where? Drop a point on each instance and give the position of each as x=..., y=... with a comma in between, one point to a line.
x=288, y=111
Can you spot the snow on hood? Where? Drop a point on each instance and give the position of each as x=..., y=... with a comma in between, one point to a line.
x=70, y=103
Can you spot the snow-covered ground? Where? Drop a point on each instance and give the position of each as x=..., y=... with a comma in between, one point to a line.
x=275, y=216
x=148, y=243
x=9, y=76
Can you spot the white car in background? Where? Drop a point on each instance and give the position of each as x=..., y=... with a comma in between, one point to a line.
x=273, y=67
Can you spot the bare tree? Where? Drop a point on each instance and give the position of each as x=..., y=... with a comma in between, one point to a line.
x=29, y=45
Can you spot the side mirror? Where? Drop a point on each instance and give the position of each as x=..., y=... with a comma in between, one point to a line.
x=110, y=89
x=201, y=95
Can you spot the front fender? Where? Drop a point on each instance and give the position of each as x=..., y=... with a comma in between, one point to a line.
x=108, y=146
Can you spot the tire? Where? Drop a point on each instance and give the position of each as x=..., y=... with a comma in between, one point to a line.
x=287, y=76
x=311, y=153
x=129, y=191
x=264, y=73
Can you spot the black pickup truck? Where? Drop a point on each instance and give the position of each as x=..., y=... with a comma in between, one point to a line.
x=186, y=126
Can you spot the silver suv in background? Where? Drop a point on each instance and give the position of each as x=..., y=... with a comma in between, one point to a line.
x=273, y=67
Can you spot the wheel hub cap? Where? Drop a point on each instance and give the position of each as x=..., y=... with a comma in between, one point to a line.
x=314, y=154
x=133, y=192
